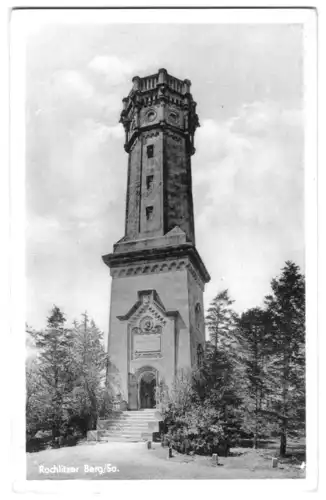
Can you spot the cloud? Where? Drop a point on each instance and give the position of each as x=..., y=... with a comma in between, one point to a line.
x=102, y=133
x=72, y=83
x=249, y=148
x=264, y=118
x=40, y=230
x=114, y=69
x=248, y=180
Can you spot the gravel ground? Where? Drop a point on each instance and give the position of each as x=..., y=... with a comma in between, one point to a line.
x=134, y=461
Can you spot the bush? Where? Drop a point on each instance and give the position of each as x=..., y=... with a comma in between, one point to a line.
x=197, y=430
x=200, y=413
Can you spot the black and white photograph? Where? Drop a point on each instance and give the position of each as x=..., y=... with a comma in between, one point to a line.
x=168, y=196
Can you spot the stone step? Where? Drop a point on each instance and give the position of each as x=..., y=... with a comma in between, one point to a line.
x=129, y=428
x=130, y=419
x=123, y=425
x=119, y=439
x=129, y=432
x=125, y=422
x=123, y=435
x=127, y=425
x=140, y=412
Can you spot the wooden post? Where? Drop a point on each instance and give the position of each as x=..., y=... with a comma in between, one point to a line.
x=274, y=462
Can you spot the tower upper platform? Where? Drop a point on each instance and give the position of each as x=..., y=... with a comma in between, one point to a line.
x=159, y=100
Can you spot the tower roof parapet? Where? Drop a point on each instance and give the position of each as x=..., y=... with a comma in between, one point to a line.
x=162, y=77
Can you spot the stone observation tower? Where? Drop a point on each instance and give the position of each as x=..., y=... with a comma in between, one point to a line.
x=158, y=278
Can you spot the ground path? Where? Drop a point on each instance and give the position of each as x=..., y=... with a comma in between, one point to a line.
x=134, y=461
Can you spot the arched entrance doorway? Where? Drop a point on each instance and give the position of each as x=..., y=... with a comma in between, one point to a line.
x=147, y=389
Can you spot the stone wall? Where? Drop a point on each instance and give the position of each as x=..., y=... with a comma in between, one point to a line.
x=197, y=329
x=154, y=195
x=133, y=190
x=178, y=209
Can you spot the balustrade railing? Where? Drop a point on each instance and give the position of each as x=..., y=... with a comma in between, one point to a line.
x=150, y=82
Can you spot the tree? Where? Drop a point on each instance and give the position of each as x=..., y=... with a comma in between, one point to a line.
x=253, y=338
x=286, y=307
x=37, y=400
x=220, y=320
x=90, y=361
x=55, y=362
x=216, y=385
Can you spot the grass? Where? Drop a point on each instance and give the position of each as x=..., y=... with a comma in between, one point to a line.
x=135, y=461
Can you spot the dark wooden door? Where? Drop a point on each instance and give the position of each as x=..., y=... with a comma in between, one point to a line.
x=132, y=393
x=147, y=393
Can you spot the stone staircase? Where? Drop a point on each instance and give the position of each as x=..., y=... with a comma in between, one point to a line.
x=136, y=425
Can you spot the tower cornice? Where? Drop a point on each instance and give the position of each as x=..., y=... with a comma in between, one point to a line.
x=185, y=250
x=163, y=126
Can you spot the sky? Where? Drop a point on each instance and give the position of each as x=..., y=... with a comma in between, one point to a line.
x=248, y=170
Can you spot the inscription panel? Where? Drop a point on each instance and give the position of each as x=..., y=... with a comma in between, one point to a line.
x=147, y=343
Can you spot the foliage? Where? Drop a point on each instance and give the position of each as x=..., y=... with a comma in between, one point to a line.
x=200, y=413
x=65, y=378
x=251, y=382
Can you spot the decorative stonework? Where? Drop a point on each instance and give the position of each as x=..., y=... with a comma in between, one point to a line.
x=157, y=267
x=150, y=309
x=147, y=355
x=146, y=327
x=173, y=136
x=132, y=147
x=196, y=276
x=149, y=135
x=148, y=330
x=151, y=115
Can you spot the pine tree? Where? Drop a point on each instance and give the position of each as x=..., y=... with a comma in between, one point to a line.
x=38, y=404
x=220, y=320
x=286, y=306
x=219, y=370
x=216, y=386
x=55, y=368
x=253, y=338
x=90, y=365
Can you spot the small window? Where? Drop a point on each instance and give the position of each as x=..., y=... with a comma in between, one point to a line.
x=150, y=151
x=149, y=182
x=149, y=213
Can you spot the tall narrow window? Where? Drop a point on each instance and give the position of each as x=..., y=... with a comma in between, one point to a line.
x=149, y=182
x=198, y=317
x=150, y=151
x=149, y=213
